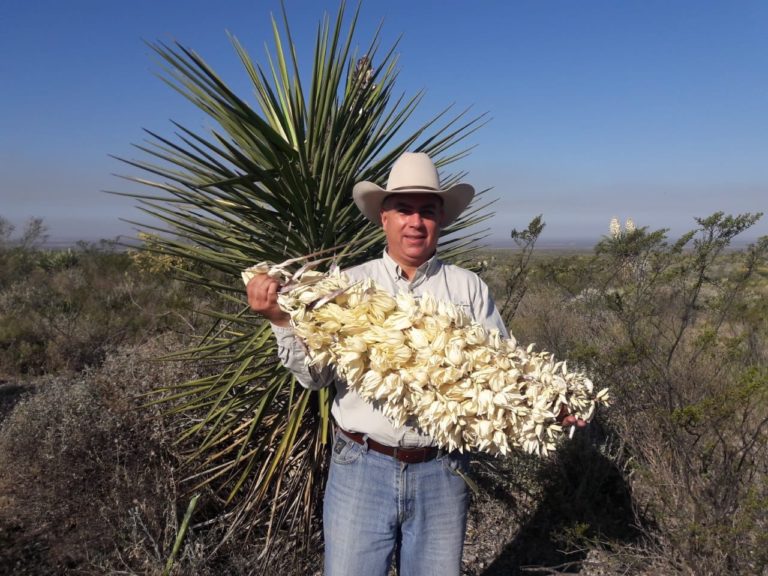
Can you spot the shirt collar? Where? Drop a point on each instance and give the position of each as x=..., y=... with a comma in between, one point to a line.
x=427, y=269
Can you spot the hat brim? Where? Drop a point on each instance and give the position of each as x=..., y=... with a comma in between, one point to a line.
x=369, y=196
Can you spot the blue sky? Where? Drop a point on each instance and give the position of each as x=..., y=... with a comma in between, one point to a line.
x=656, y=110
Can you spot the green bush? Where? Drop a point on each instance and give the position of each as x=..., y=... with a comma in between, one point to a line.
x=677, y=331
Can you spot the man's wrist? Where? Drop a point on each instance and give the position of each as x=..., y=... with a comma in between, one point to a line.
x=281, y=330
x=283, y=322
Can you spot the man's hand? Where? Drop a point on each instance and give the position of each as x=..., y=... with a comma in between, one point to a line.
x=262, y=298
x=565, y=419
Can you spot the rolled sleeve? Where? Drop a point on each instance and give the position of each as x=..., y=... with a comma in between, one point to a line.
x=292, y=355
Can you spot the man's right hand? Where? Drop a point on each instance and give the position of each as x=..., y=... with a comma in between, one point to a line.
x=262, y=298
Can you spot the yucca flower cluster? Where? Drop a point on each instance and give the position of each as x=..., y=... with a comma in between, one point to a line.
x=614, y=227
x=465, y=386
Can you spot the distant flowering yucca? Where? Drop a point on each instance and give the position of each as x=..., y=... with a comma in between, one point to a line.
x=615, y=228
x=467, y=388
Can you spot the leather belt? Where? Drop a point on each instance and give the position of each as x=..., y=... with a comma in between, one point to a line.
x=407, y=455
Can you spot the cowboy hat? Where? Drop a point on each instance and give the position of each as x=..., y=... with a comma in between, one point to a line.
x=412, y=173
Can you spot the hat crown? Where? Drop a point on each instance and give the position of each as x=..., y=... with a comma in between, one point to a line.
x=413, y=170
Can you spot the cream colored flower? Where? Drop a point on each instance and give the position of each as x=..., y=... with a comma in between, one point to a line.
x=428, y=305
x=476, y=335
x=454, y=352
x=398, y=321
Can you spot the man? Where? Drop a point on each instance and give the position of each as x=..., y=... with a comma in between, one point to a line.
x=390, y=488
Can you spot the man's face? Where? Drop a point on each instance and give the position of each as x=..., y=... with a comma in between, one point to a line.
x=411, y=224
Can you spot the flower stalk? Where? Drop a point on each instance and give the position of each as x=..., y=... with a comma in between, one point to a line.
x=426, y=363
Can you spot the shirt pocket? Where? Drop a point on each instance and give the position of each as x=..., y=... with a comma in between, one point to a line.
x=466, y=307
x=463, y=304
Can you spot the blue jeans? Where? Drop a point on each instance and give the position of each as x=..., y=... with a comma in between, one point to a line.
x=375, y=504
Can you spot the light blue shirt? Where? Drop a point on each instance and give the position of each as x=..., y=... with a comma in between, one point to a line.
x=444, y=282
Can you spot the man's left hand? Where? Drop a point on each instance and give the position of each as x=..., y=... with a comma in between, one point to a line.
x=565, y=419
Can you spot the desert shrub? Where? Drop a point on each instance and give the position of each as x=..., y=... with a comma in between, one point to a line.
x=78, y=461
x=91, y=479
x=677, y=331
x=62, y=310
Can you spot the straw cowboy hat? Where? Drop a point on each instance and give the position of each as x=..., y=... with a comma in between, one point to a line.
x=413, y=172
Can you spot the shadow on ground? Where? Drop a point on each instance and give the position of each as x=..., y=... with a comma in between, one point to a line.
x=10, y=394
x=585, y=497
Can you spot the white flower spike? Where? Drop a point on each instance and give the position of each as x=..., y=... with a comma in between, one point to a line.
x=467, y=388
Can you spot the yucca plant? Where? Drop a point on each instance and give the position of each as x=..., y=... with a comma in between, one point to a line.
x=270, y=183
